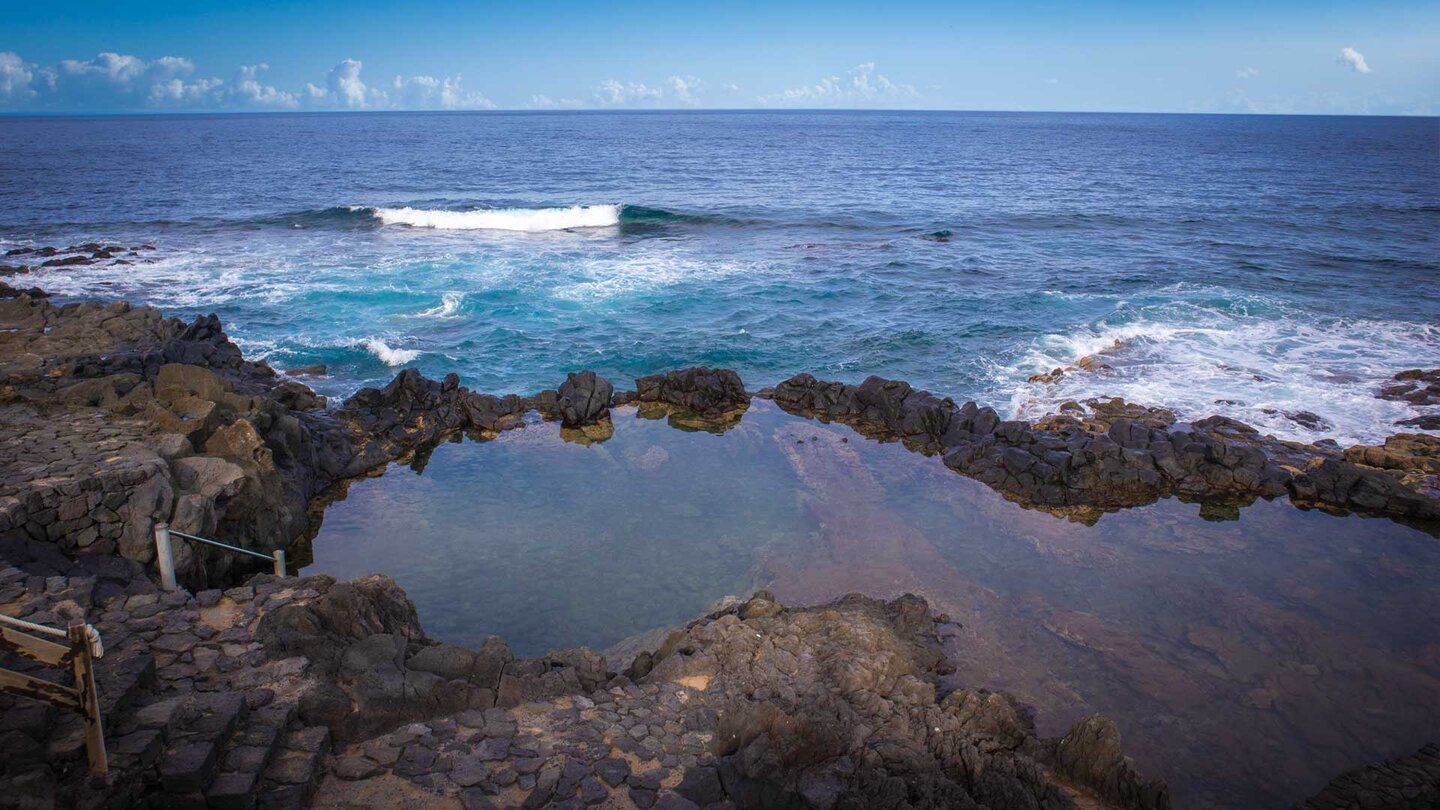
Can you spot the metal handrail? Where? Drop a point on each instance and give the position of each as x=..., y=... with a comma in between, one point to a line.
x=251, y=552
x=165, y=558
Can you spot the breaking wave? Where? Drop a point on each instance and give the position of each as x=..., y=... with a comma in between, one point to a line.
x=1201, y=360
x=448, y=308
x=387, y=355
x=503, y=219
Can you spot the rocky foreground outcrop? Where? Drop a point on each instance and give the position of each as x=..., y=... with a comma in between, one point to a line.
x=114, y=418
x=1405, y=783
x=287, y=692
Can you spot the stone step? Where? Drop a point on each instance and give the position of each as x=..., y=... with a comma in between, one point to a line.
x=251, y=750
x=122, y=680
x=192, y=750
x=136, y=732
x=60, y=733
x=290, y=780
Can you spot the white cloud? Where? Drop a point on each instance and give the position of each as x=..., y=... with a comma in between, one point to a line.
x=428, y=92
x=540, y=101
x=860, y=86
x=15, y=76
x=1353, y=58
x=683, y=89
x=612, y=93
x=122, y=81
x=1246, y=73
x=343, y=88
x=247, y=88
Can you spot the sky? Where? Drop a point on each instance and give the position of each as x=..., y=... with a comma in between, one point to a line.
x=1377, y=57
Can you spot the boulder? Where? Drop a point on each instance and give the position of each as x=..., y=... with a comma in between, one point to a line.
x=187, y=416
x=239, y=442
x=708, y=392
x=1416, y=386
x=177, y=380
x=584, y=399
x=213, y=478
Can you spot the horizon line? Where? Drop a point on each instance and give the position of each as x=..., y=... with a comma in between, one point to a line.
x=675, y=110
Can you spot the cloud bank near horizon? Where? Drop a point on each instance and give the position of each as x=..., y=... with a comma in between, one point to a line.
x=115, y=81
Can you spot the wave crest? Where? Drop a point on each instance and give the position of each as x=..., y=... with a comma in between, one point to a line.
x=503, y=219
x=448, y=309
x=1199, y=359
x=387, y=355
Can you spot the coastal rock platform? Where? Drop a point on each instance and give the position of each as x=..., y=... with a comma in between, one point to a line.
x=288, y=692
x=282, y=691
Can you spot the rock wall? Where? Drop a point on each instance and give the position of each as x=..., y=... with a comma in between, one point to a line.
x=115, y=417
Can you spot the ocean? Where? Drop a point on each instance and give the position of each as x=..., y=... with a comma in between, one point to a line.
x=1243, y=265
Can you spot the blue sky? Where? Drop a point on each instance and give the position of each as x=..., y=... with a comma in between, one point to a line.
x=1280, y=57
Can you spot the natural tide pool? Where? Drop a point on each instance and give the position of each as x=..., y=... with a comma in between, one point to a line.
x=1246, y=661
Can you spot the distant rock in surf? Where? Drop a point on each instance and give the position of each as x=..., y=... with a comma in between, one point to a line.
x=1415, y=386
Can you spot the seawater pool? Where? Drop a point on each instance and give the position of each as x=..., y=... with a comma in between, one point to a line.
x=1246, y=661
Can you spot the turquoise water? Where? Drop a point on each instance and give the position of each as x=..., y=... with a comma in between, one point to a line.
x=1246, y=661
x=1247, y=265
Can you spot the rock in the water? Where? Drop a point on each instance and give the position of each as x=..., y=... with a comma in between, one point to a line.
x=584, y=399
x=707, y=392
x=1118, y=454
x=1429, y=421
x=1416, y=386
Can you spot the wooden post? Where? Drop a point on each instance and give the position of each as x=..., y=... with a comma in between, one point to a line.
x=83, y=666
x=164, y=557
x=279, y=562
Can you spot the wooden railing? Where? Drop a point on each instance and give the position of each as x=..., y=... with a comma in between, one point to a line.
x=78, y=655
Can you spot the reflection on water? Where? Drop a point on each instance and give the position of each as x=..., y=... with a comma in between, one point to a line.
x=1246, y=662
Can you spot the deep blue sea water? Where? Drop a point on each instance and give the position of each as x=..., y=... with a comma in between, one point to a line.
x=1247, y=265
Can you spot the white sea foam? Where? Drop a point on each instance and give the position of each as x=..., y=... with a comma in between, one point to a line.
x=611, y=277
x=448, y=309
x=504, y=219
x=387, y=355
x=1250, y=368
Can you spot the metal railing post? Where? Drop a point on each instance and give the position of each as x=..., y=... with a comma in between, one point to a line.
x=279, y=562
x=164, y=557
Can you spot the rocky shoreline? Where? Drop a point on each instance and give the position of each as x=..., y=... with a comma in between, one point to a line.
x=114, y=417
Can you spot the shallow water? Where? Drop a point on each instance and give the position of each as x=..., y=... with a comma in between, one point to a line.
x=1250, y=265
x=1246, y=661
